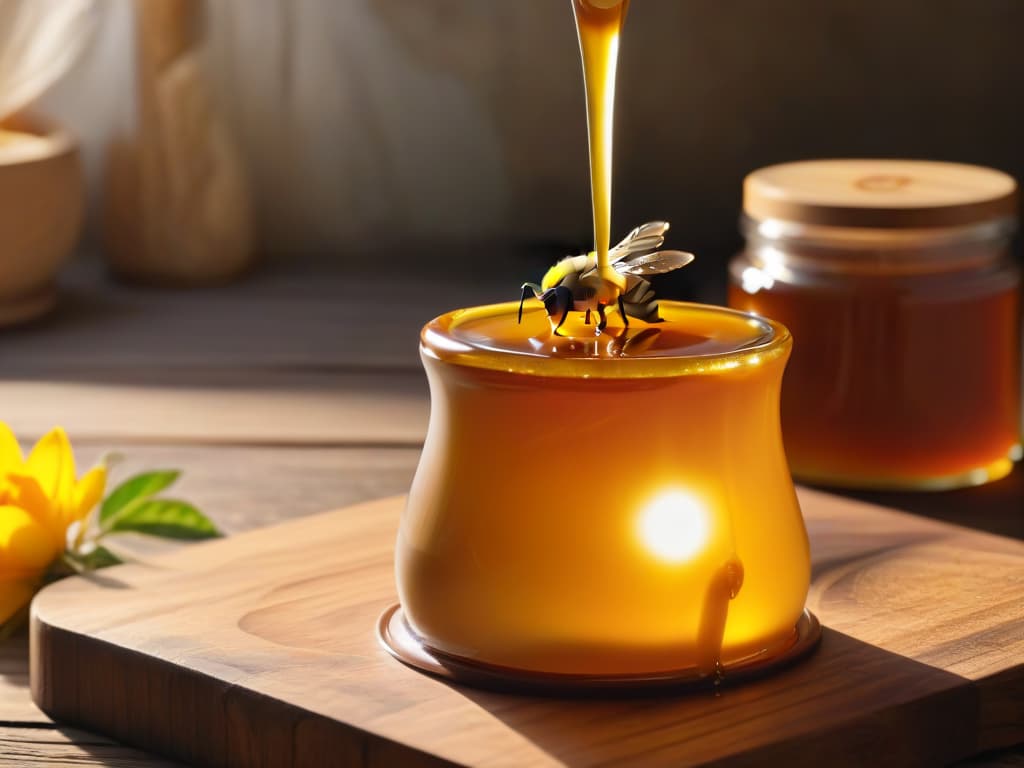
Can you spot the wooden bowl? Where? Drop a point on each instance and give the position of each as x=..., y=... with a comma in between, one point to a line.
x=41, y=211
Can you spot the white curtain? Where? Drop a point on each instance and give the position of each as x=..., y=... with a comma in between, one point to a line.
x=364, y=120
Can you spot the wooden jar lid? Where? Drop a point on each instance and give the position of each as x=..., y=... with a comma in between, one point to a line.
x=880, y=194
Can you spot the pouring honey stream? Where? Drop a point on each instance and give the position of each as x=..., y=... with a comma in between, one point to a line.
x=599, y=26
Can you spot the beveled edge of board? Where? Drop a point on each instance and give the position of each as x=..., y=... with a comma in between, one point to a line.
x=54, y=653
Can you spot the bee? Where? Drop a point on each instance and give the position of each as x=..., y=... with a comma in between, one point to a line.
x=574, y=283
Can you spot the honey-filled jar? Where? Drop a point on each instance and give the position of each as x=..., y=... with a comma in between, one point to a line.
x=897, y=282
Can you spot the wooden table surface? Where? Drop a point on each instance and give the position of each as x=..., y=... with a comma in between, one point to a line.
x=277, y=403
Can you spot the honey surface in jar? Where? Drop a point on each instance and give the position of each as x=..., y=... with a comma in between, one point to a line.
x=906, y=363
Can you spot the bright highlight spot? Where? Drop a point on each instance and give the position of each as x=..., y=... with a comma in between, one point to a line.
x=435, y=339
x=978, y=476
x=754, y=280
x=675, y=526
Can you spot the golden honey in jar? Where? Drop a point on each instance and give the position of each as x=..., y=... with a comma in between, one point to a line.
x=897, y=283
x=608, y=505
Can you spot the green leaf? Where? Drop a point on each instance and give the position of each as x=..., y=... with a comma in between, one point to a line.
x=101, y=557
x=72, y=563
x=167, y=518
x=134, y=489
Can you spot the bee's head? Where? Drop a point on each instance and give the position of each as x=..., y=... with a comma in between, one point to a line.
x=557, y=301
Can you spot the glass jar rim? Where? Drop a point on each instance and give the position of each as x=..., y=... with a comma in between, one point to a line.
x=879, y=251
x=852, y=238
x=440, y=341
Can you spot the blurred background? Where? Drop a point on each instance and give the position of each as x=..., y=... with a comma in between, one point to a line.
x=410, y=123
x=275, y=196
x=333, y=173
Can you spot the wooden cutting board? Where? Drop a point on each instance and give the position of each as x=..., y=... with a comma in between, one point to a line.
x=260, y=650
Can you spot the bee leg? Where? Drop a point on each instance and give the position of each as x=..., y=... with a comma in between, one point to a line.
x=565, y=316
x=622, y=311
x=527, y=289
x=604, y=320
x=587, y=319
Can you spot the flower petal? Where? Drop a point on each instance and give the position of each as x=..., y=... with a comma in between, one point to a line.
x=14, y=595
x=26, y=545
x=53, y=464
x=26, y=494
x=89, y=491
x=11, y=459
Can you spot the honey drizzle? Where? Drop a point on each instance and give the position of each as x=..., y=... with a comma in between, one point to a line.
x=599, y=24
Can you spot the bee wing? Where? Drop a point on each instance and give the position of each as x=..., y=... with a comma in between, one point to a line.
x=644, y=239
x=654, y=263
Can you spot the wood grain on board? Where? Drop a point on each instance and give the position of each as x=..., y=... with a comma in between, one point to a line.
x=15, y=705
x=260, y=649
x=270, y=407
x=57, y=747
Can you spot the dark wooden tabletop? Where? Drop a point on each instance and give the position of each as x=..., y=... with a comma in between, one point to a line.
x=276, y=400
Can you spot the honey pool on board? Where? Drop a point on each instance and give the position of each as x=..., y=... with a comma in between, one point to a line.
x=621, y=514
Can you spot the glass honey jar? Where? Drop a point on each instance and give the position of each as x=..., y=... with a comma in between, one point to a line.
x=897, y=283
x=678, y=555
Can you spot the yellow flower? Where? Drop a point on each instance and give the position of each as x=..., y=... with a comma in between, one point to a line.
x=40, y=498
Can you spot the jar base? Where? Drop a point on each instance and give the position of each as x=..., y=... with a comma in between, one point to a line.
x=399, y=639
x=989, y=473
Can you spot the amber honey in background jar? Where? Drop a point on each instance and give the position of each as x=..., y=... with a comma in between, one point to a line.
x=897, y=283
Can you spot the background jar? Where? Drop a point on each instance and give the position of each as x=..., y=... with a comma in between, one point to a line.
x=897, y=283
